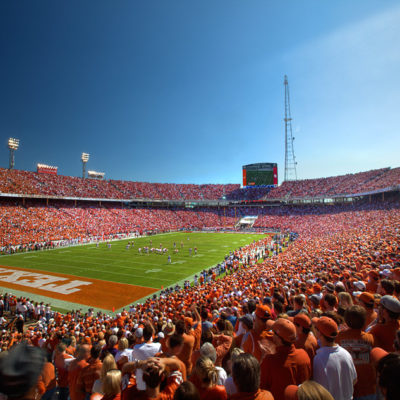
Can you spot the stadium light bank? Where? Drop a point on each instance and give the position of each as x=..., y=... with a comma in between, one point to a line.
x=84, y=159
x=13, y=145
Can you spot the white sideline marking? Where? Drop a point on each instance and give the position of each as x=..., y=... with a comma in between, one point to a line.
x=30, y=257
x=179, y=262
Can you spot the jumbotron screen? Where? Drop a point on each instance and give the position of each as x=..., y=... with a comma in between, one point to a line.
x=260, y=174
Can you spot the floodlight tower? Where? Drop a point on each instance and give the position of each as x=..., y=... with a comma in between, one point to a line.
x=85, y=159
x=290, y=159
x=13, y=145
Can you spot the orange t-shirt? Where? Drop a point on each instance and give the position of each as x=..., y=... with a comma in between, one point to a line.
x=308, y=343
x=384, y=334
x=213, y=393
x=359, y=345
x=47, y=379
x=73, y=373
x=288, y=366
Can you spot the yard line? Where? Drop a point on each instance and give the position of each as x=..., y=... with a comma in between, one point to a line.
x=53, y=265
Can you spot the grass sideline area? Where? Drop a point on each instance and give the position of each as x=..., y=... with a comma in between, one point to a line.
x=119, y=264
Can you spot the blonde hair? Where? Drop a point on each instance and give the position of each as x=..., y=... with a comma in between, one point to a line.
x=123, y=344
x=73, y=341
x=345, y=297
x=236, y=352
x=206, y=371
x=112, y=382
x=108, y=364
x=311, y=390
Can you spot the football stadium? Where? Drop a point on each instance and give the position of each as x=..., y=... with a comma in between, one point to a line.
x=280, y=282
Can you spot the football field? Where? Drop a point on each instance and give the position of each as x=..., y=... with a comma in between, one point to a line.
x=112, y=277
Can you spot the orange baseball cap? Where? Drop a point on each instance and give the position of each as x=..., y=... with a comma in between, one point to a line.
x=290, y=392
x=327, y=326
x=367, y=298
x=302, y=320
x=263, y=311
x=285, y=329
x=377, y=354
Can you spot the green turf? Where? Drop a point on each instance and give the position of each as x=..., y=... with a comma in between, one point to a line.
x=128, y=266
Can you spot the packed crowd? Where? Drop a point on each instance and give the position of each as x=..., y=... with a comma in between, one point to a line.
x=31, y=183
x=317, y=321
x=362, y=182
x=33, y=222
x=250, y=193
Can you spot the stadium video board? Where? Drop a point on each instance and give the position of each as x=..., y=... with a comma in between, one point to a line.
x=260, y=174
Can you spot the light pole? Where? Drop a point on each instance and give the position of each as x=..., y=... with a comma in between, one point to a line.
x=13, y=145
x=85, y=159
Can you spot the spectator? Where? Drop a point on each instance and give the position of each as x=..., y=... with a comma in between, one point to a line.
x=305, y=339
x=107, y=365
x=112, y=385
x=333, y=366
x=246, y=377
x=389, y=376
x=288, y=366
x=74, y=370
x=206, y=378
x=384, y=331
x=359, y=344
x=89, y=374
x=187, y=391
x=308, y=390
x=144, y=351
x=20, y=369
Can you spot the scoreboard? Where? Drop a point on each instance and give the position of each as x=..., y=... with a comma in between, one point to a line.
x=260, y=174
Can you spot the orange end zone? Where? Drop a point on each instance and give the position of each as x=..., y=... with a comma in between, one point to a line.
x=86, y=291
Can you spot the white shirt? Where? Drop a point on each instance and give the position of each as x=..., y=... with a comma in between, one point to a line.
x=144, y=351
x=124, y=353
x=334, y=369
x=222, y=376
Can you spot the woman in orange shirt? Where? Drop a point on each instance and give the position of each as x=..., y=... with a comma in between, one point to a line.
x=205, y=377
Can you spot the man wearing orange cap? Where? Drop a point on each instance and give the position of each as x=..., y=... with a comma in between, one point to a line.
x=305, y=338
x=373, y=281
x=259, y=341
x=367, y=301
x=288, y=366
x=333, y=366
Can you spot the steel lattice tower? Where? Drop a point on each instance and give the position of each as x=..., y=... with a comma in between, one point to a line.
x=290, y=159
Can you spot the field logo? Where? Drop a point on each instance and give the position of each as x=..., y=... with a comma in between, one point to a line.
x=41, y=281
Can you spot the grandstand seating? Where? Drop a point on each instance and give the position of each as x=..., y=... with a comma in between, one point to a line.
x=33, y=223
x=32, y=183
x=338, y=185
x=340, y=243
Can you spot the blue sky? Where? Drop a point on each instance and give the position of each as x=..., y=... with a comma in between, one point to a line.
x=189, y=91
